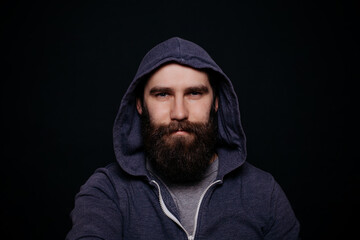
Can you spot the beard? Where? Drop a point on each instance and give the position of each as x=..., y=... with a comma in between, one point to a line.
x=180, y=159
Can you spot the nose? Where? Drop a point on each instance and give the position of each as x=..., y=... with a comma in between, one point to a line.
x=179, y=110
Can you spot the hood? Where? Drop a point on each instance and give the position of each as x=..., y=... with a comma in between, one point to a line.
x=127, y=127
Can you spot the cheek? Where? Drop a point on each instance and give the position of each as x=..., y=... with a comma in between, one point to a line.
x=200, y=112
x=159, y=114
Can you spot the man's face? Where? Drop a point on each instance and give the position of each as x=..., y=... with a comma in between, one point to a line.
x=178, y=122
x=178, y=93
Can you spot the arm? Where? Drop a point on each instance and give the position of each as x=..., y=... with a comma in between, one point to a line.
x=96, y=214
x=283, y=223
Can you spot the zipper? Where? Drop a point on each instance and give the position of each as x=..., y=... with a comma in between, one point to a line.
x=173, y=218
x=168, y=213
x=198, y=207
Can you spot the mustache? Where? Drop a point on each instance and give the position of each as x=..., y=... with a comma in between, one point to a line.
x=182, y=126
x=151, y=130
x=187, y=126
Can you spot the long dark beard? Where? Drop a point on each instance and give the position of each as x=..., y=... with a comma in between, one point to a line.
x=179, y=159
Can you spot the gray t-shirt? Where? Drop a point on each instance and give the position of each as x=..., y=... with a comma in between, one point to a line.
x=187, y=197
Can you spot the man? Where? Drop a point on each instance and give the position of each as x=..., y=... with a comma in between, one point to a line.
x=181, y=170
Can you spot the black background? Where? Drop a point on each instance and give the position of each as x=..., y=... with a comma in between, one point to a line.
x=66, y=65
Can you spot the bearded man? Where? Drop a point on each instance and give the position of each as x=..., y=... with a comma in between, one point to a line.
x=181, y=171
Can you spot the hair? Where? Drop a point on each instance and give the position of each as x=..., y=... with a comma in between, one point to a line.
x=214, y=79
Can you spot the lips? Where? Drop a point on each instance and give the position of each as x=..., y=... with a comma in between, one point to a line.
x=180, y=132
x=180, y=128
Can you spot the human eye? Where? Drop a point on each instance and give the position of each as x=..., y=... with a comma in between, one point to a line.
x=195, y=93
x=161, y=94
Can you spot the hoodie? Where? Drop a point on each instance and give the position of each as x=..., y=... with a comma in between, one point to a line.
x=124, y=201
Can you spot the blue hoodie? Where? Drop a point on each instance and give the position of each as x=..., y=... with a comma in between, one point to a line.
x=123, y=201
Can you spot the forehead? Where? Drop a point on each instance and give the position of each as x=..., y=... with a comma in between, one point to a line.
x=174, y=75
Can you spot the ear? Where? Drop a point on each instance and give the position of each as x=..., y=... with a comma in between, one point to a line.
x=216, y=104
x=139, y=105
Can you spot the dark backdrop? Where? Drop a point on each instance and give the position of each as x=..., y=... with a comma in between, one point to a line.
x=66, y=65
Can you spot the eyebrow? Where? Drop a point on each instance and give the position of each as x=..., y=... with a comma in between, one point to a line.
x=200, y=88
x=155, y=90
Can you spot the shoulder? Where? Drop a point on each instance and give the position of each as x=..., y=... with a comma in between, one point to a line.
x=252, y=177
x=112, y=172
x=262, y=195
x=104, y=175
x=99, y=205
x=258, y=184
x=109, y=181
x=268, y=203
x=255, y=188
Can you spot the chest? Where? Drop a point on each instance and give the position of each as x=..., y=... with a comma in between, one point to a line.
x=222, y=214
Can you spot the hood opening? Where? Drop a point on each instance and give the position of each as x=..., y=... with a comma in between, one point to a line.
x=127, y=137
